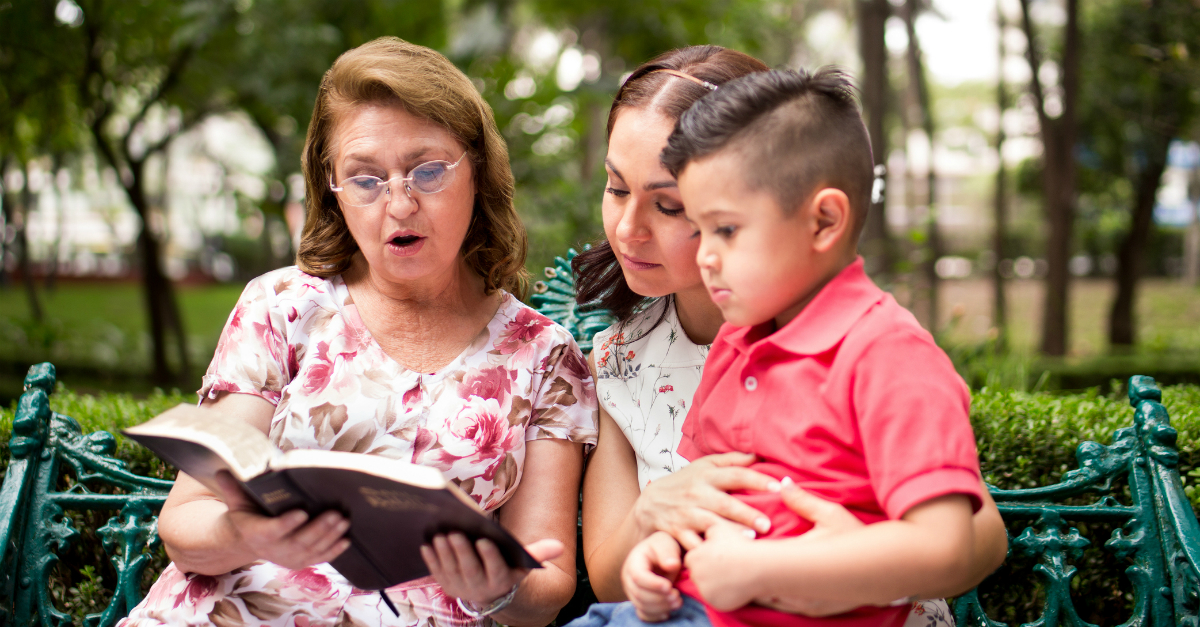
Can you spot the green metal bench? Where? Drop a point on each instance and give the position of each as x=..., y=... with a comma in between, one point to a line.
x=56, y=471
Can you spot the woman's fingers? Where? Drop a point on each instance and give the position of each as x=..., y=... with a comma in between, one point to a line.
x=545, y=550
x=727, y=459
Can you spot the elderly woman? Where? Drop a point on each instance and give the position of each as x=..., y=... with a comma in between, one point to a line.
x=396, y=334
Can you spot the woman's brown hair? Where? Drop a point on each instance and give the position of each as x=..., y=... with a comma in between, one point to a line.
x=599, y=280
x=392, y=71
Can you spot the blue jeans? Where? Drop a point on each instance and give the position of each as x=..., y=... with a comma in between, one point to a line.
x=691, y=614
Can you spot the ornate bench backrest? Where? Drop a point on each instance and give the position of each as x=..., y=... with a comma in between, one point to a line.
x=56, y=473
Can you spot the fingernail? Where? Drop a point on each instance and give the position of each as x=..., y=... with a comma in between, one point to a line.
x=297, y=517
x=749, y=533
x=774, y=486
x=787, y=482
x=763, y=524
x=343, y=526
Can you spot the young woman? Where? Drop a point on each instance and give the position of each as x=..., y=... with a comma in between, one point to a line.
x=648, y=364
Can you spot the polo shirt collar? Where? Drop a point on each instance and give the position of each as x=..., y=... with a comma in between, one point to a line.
x=824, y=321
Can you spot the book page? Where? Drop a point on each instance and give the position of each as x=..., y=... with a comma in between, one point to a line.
x=243, y=448
x=394, y=469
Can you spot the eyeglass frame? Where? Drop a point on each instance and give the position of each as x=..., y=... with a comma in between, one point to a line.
x=388, y=183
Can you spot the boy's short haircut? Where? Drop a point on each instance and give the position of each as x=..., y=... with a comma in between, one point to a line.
x=798, y=132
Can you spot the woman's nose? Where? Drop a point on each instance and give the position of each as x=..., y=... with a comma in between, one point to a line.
x=631, y=227
x=400, y=203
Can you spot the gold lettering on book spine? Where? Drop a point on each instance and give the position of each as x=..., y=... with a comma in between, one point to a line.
x=393, y=501
x=275, y=496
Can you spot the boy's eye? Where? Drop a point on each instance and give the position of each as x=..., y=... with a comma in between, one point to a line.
x=725, y=231
x=619, y=193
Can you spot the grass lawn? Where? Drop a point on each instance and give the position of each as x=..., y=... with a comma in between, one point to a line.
x=1167, y=316
x=103, y=327
x=94, y=329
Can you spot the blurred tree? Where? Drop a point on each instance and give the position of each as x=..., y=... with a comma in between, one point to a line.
x=1141, y=90
x=1057, y=120
x=919, y=84
x=1000, y=202
x=144, y=76
x=36, y=117
x=872, y=17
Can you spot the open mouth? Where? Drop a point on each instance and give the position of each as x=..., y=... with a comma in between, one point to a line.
x=405, y=240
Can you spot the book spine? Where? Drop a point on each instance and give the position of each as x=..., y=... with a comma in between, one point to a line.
x=276, y=494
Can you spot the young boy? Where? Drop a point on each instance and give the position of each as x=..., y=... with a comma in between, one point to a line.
x=817, y=371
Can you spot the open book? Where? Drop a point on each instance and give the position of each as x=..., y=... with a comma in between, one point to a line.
x=393, y=506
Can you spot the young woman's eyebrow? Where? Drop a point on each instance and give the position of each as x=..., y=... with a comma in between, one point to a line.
x=617, y=173
x=649, y=186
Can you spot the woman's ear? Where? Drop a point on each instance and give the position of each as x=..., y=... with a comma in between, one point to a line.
x=832, y=218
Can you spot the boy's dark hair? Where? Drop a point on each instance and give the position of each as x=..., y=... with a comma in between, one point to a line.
x=798, y=131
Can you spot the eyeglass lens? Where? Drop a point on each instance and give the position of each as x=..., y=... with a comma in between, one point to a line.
x=426, y=178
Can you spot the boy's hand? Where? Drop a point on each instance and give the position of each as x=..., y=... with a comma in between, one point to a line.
x=720, y=564
x=648, y=577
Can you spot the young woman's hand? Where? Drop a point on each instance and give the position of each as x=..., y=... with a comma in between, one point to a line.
x=288, y=540
x=649, y=574
x=686, y=503
x=477, y=573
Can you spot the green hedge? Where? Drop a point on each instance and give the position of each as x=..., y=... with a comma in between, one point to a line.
x=107, y=412
x=1025, y=438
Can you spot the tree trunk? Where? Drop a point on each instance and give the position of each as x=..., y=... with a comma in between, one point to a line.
x=24, y=264
x=1163, y=124
x=999, y=213
x=916, y=73
x=1133, y=246
x=1058, y=175
x=157, y=290
x=872, y=19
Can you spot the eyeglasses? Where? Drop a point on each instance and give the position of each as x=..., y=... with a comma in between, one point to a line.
x=430, y=177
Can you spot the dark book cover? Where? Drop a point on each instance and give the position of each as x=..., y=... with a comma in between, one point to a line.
x=394, y=507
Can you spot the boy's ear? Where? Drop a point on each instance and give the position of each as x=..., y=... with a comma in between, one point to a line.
x=832, y=218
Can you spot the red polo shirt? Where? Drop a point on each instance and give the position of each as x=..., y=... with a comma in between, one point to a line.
x=854, y=401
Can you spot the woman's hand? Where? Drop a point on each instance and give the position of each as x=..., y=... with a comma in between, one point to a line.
x=478, y=574
x=685, y=504
x=285, y=540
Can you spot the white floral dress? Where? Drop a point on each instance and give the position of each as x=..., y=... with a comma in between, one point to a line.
x=297, y=341
x=647, y=371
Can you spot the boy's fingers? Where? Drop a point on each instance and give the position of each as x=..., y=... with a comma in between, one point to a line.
x=818, y=510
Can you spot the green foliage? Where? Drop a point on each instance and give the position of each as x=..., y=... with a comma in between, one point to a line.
x=107, y=412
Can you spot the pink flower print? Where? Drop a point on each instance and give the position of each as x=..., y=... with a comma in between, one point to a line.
x=476, y=438
x=199, y=589
x=524, y=336
x=486, y=383
x=666, y=388
x=573, y=364
x=310, y=584
x=321, y=371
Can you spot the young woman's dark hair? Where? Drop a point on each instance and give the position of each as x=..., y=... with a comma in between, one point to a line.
x=599, y=280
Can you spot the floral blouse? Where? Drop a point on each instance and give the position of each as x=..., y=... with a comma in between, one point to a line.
x=646, y=374
x=297, y=341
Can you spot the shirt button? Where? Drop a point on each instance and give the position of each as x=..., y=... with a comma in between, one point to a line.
x=751, y=384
